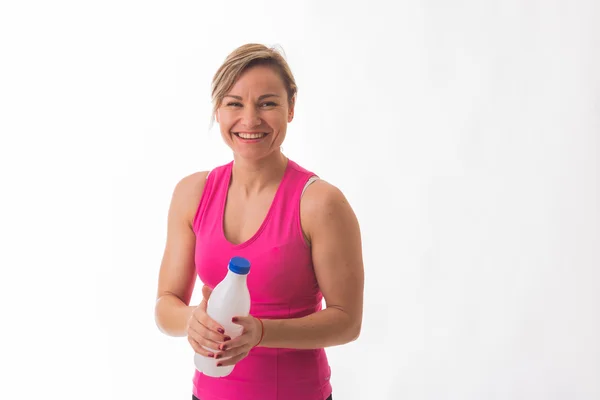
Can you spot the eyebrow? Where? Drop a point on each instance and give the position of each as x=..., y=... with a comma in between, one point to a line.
x=264, y=96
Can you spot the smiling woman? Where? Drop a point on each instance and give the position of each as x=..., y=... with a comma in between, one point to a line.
x=299, y=232
x=254, y=95
x=247, y=116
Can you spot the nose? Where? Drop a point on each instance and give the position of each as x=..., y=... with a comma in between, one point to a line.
x=251, y=118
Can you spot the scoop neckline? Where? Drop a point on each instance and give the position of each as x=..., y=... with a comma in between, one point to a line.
x=267, y=217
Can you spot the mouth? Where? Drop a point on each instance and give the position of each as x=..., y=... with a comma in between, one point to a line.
x=250, y=135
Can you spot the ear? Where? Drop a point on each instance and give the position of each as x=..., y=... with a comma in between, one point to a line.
x=291, y=109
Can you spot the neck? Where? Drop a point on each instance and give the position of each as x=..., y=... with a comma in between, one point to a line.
x=255, y=175
x=236, y=277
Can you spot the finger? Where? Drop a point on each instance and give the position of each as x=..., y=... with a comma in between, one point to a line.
x=205, y=337
x=206, y=292
x=232, y=360
x=199, y=326
x=199, y=349
x=210, y=334
x=246, y=322
x=204, y=319
x=236, y=346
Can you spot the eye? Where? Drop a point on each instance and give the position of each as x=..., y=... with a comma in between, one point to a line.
x=234, y=104
x=268, y=104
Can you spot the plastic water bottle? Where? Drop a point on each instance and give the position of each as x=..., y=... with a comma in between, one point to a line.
x=230, y=298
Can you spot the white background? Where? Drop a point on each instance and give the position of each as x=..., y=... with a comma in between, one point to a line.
x=466, y=135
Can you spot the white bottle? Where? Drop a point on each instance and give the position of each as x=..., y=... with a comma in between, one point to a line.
x=230, y=298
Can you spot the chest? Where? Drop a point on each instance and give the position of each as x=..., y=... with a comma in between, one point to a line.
x=267, y=231
x=243, y=217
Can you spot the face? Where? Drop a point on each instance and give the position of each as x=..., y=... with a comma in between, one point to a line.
x=253, y=116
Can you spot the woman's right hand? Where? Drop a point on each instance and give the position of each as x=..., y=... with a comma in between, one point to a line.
x=203, y=330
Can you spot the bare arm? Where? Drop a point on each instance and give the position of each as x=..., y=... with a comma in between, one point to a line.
x=332, y=228
x=177, y=271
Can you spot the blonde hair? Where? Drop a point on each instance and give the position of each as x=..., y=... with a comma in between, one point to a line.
x=244, y=57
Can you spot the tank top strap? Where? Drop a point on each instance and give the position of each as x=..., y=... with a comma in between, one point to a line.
x=284, y=223
x=215, y=192
x=300, y=178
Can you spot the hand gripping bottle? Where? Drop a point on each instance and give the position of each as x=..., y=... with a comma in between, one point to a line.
x=230, y=298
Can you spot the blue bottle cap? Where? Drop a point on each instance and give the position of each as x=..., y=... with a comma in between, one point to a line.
x=239, y=265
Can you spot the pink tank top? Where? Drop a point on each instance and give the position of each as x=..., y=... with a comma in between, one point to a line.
x=282, y=284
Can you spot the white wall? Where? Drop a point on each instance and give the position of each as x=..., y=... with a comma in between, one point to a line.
x=465, y=135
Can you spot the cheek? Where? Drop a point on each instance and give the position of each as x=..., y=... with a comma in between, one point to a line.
x=225, y=123
x=277, y=121
x=225, y=129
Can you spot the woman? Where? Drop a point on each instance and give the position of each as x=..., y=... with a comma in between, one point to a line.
x=299, y=233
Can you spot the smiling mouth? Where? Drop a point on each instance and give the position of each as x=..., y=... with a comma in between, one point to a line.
x=250, y=135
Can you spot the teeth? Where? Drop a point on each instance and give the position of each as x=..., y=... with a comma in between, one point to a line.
x=251, y=135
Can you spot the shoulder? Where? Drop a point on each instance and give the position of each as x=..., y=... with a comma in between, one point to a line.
x=322, y=194
x=321, y=204
x=187, y=194
x=190, y=184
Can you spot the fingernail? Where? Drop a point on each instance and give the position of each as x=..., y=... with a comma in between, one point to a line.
x=221, y=331
x=218, y=356
x=226, y=338
x=211, y=355
x=223, y=347
x=234, y=319
x=219, y=365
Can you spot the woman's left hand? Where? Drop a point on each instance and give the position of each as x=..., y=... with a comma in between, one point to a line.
x=238, y=348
